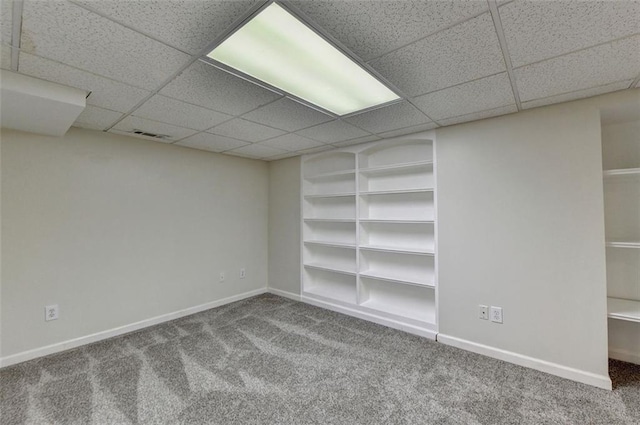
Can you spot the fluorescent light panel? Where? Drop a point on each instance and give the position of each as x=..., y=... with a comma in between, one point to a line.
x=278, y=49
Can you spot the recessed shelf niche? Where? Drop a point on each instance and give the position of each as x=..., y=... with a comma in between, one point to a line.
x=369, y=243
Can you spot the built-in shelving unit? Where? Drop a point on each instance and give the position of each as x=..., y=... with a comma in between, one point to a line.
x=621, y=165
x=368, y=230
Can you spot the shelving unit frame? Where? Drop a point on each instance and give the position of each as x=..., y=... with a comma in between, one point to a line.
x=621, y=174
x=393, y=233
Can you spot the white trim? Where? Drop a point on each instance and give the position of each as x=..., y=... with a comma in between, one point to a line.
x=109, y=333
x=600, y=381
x=624, y=355
x=416, y=330
x=285, y=294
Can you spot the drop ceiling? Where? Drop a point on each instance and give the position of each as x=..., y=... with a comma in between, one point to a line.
x=452, y=61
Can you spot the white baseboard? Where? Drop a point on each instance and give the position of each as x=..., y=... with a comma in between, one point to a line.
x=416, y=330
x=624, y=355
x=98, y=336
x=600, y=381
x=285, y=294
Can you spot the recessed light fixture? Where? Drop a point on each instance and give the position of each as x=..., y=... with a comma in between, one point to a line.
x=278, y=49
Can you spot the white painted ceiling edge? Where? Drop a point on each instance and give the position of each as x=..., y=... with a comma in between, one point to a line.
x=38, y=106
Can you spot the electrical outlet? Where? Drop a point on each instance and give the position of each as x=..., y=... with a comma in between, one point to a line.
x=483, y=312
x=243, y=273
x=222, y=277
x=51, y=312
x=496, y=314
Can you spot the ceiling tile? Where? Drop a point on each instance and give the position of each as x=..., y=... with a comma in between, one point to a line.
x=537, y=30
x=291, y=142
x=608, y=63
x=211, y=142
x=172, y=132
x=72, y=35
x=580, y=94
x=287, y=115
x=96, y=118
x=409, y=130
x=479, y=95
x=333, y=131
x=256, y=151
x=246, y=130
x=462, y=53
x=357, y=141
x=372, y=28
x=282, y=156
x=503, y=110
x=207, y=86
x=171, y=111
x=6, y=21
x=316, y=150
x=105, y=93
x=5, y=57
x=188, y=25
x=389, y=118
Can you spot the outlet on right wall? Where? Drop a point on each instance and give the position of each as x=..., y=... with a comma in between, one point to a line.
x=521, y=226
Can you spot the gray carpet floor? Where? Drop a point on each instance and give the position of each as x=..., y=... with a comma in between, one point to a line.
x=269, y=360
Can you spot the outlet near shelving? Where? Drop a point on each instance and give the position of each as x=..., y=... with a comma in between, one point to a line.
x=243, y=273
x=483, y=312
x=496, y=314
x=51, y=312
x=222, y=277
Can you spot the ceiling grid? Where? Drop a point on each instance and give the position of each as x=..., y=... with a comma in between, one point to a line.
x=451, y=61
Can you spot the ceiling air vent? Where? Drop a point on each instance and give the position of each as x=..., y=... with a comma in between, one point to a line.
x=152, y=135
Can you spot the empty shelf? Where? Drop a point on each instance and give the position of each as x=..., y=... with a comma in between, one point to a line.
x=329, y=268
x=405, y=166
x=330, y=195
x=331, y=175
x=330, y=220
x=330, y=244
x=622, y=172
x=416, y=311
x=402, y=280
x=623, y=244
x=382, y=220
x=415, y=251
x=394, y=192
x=621, y=309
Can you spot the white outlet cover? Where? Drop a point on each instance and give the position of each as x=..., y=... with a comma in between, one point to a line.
x=483, y=312
x=243, y=273
x=496, y=314
x=221, y=276
x=51, y=312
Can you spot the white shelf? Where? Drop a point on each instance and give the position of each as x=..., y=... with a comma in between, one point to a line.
x=330, y=268
x=395, y=167
x=331, y=244
x=393, y=221
x=621, y=309
x=415, y=311
x=396, y=279
x=394, y=192
x=330, y=195
x=330, y=220
x=331, y=175
x=394, y=249
x=623, y=244
x=622, y=172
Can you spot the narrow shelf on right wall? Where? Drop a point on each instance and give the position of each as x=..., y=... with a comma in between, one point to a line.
x=621, y=309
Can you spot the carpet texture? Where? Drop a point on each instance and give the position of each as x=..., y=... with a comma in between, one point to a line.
x=269, y=360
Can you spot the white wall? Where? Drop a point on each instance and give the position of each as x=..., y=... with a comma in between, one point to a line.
x=284, y=225
x=116, y=230
x=520, y=209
